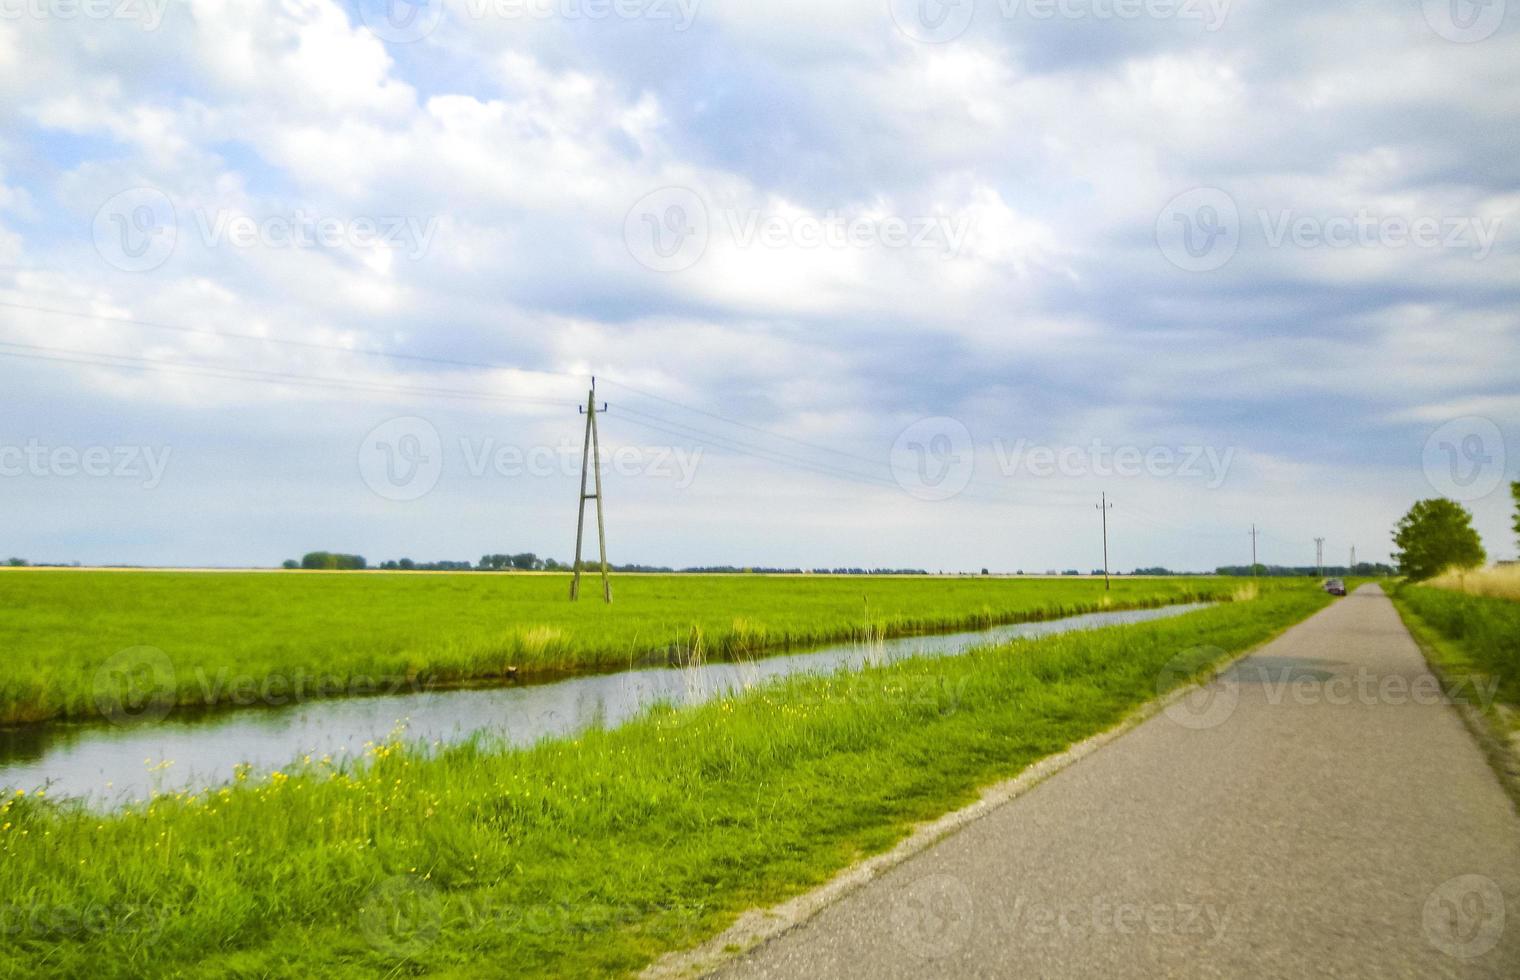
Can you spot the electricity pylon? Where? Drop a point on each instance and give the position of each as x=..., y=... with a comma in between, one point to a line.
x=1105, y=507
x=591, y=458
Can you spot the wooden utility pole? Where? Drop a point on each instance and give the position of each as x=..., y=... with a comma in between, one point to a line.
x=591, y=458
x=1105, y=507
x=1253, y=550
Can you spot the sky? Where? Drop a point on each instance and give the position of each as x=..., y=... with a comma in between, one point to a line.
x=895, y=283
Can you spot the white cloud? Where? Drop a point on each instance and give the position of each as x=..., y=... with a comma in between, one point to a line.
x=1051, y=146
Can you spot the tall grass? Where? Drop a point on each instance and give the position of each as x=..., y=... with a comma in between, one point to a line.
x=1485, y=628
x=224, y=633
x=572, y=858
x=1495, y=581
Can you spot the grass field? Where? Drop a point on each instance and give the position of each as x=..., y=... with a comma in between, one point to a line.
x=1476, y=635
x=301, y=635
x=1494, y=582
x=572, y=858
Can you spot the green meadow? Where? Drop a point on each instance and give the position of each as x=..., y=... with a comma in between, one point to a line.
x=71, y=635
x=576, y=857
x=1473, y=641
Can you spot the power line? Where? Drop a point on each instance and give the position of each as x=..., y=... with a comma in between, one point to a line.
x=301, y=380
x=420, y=358
x=282, y=341
x=745, y=425
x=649, y=420
x=767, y=456
x=749, y=445
x=228, y=373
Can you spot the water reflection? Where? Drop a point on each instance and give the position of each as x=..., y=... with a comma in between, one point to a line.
x=118, y=763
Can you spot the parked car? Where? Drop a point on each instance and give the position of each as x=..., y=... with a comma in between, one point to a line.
x=1335, y=587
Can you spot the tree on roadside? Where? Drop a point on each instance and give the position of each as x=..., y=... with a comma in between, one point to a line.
x=1435, y=535
x=1514, y=491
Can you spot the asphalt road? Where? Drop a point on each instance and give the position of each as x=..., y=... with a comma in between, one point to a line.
x=1317, y=811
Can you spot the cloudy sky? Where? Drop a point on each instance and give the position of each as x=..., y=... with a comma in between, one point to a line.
x=901, y=283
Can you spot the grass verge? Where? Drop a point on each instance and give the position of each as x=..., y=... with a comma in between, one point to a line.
x=1472, y=643
x=581, y=857
x=85, y=644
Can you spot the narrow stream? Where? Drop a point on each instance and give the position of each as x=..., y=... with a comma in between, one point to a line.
x=116, y=764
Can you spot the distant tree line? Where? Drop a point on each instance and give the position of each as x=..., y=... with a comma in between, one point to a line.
x=752, y=570
x=328, y=561
x=525, y=562
x=1362, y=568
x=529, y=562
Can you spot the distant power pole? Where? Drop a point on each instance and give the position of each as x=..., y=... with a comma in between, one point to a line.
x=1319, y=557
x=1253, y=550
x=1351, y=568
x=1104, y=507
x=591, y=456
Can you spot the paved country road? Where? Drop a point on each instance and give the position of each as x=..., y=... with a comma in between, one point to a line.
x=1316, y=811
